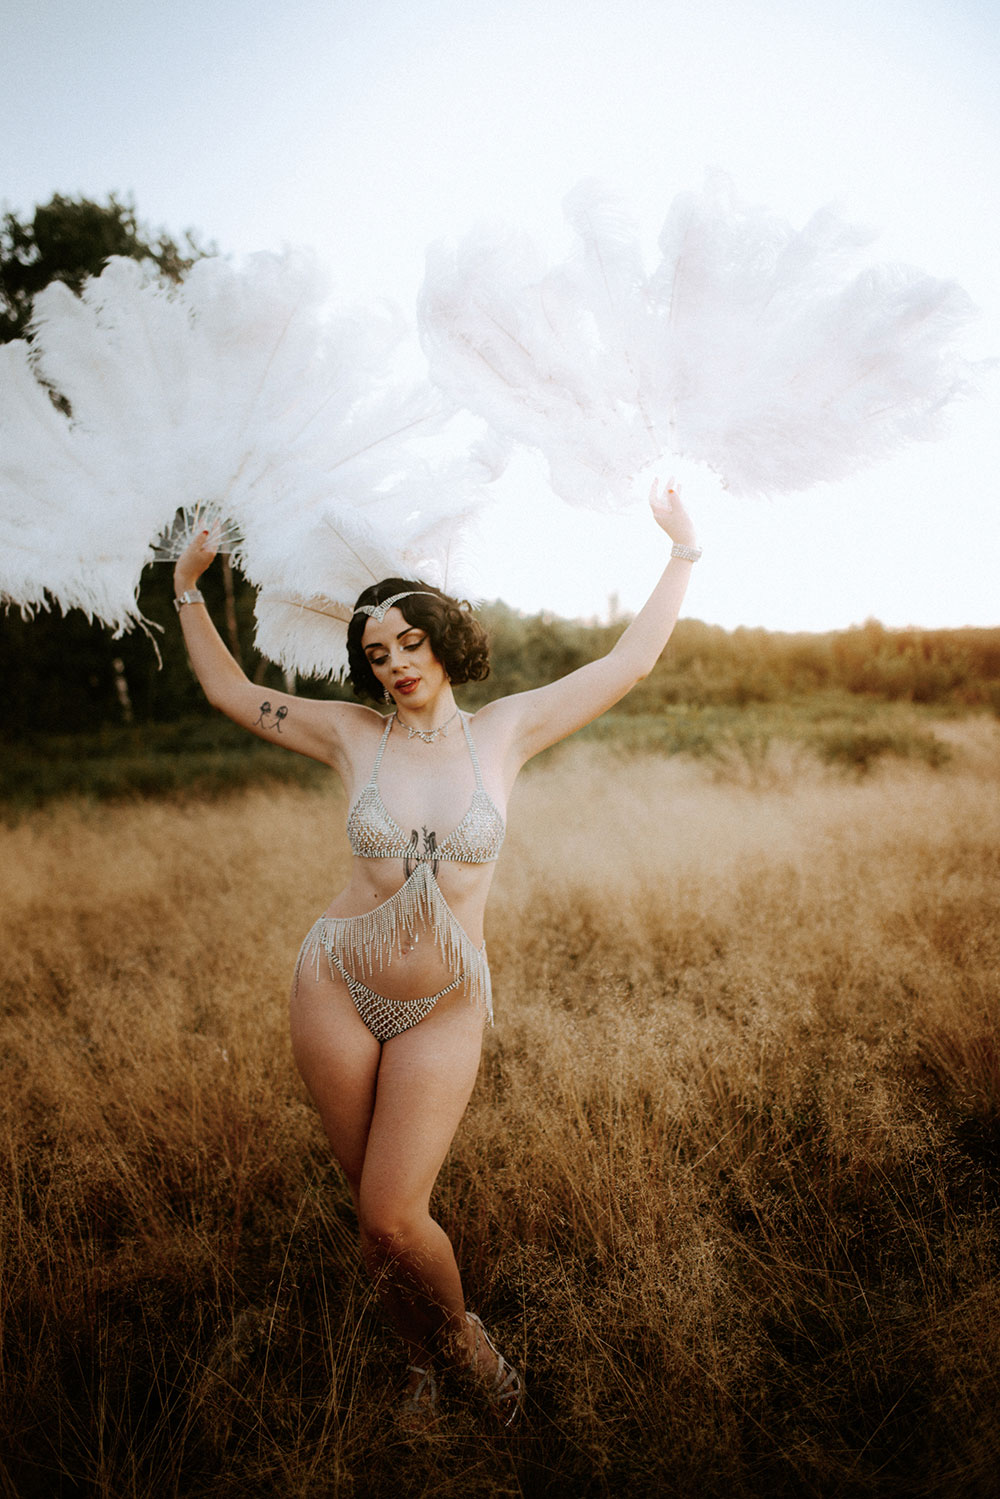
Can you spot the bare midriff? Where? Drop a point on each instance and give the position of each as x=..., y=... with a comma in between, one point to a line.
x=418, y=966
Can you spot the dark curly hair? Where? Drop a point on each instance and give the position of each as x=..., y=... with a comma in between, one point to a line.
x=457, y=638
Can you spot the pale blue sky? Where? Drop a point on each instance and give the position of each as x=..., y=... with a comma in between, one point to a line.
x=368, y=129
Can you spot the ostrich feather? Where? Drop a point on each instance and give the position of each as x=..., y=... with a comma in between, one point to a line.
x=240, y=393
x=402, y=532
x=69, y=531
x=770, y=354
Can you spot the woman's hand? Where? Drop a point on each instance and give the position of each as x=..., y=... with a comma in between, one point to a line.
x=670, y=515
x=195, y=558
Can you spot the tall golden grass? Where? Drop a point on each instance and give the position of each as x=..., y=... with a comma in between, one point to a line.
x=728, y=1188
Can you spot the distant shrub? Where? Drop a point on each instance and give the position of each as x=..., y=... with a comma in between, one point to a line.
x=859, y=748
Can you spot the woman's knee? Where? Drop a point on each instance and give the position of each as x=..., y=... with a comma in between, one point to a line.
x=390, y=1225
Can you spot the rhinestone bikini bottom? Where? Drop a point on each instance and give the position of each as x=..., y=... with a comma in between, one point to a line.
x=384, y=1017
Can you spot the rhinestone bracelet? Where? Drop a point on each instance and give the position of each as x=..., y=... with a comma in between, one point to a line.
x=192, y=596
x=686, y=554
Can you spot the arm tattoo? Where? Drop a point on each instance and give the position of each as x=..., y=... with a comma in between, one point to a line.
x=277, y=717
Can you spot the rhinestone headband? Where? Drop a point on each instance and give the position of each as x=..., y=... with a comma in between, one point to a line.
x=379, y=611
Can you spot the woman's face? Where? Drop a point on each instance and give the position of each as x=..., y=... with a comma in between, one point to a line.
x=402, y=660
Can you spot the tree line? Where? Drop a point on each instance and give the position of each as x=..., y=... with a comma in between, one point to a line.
x=706, y=665
x=64, y=674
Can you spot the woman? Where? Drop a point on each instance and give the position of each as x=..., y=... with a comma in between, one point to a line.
x=391, y=989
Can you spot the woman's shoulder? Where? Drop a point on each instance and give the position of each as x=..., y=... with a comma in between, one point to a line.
x=356, y=715
x=349, y=727
x=494, y=730
x=352, y=732
x=357, y=724
x=501, y=715
x=490, y=717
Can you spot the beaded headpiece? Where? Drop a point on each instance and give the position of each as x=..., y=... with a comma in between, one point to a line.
x=379, y=611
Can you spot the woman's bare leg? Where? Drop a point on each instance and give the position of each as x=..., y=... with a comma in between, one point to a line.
x=390, y=1113
x=425, y=1080
x=338, y=1058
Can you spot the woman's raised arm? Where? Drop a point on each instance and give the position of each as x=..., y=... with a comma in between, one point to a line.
x=547, y=714
x=309, y=726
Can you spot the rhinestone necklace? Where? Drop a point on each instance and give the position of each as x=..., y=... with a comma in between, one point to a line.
x=427, y=735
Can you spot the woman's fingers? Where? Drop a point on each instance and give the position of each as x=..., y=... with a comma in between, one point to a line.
x=664, y=501
x=196, y=557
x=670, y=514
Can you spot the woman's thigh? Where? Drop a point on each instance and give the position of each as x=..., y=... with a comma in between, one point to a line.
x=338, y=1058
x=425, y=1080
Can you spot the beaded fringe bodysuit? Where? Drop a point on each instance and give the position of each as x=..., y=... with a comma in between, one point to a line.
x=365, y=942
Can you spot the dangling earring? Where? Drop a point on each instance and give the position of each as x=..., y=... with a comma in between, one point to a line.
x=387, y=694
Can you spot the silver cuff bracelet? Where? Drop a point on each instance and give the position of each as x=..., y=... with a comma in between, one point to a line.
x=192, y=596
x=686, y=554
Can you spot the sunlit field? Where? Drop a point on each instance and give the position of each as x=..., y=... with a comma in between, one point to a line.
x=729, y=1187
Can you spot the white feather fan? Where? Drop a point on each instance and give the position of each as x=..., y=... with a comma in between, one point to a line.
x=234, y=392
x=761, y=351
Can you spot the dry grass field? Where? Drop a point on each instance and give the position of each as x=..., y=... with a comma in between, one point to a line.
x=729, y=1187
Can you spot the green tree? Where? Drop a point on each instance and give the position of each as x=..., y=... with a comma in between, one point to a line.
x=69, y=239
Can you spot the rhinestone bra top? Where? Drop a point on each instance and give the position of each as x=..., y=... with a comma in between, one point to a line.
x=374, y=833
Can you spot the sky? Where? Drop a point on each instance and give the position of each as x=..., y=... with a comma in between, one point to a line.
x=367, y=129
